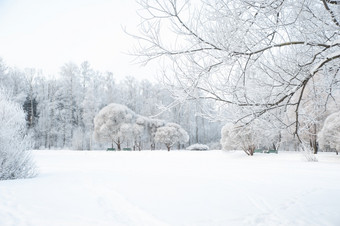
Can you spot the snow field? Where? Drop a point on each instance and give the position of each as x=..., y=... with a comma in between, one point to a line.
x=174, y=188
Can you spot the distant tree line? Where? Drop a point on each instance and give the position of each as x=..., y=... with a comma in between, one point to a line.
x=60, y=110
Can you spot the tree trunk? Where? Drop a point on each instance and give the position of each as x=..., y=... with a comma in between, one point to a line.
x=64, y=135
x=90, y=147
x=168, y=146
x=251, y=150
x=118, y=145
x=315, y=147
x=32, y=109
x=196, y=130
x=274, y=147
x=313, y=141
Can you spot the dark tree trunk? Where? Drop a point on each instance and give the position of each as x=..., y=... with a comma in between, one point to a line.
x=314, y=143
x=274, y=147
x=250, y=150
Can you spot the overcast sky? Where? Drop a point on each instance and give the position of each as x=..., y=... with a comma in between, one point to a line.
x=45, y=34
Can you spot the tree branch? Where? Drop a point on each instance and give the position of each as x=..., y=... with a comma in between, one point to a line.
x=335, y=21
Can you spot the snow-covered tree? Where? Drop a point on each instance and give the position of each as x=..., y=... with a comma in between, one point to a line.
x=152, y=127
x=72, y=88
x=248, y=137
x=329, y=136
x=139, y=130
x=237, y=137
x=170, y=134
x=112, y=124
x=30, y=103
x=258, y=56
x=15, y=158
x=89, y=109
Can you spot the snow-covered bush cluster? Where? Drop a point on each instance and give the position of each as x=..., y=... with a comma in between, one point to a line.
x=198, y=147
x=15, y=158
x=118, y=124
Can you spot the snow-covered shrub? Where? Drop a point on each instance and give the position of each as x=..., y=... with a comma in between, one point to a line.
x=15, y=157
x=234, y=136
x=113, y=124
x=258, y=133
x=198, y=147
x=170, y=134
x=329, y=136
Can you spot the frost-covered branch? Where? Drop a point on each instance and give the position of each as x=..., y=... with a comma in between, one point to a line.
x=253, y=57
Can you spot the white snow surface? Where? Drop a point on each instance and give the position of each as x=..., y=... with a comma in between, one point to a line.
x=174, y=188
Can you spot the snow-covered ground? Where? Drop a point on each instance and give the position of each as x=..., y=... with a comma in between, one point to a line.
x=174, y=188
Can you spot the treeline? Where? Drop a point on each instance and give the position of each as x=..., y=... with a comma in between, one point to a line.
x=60, y=110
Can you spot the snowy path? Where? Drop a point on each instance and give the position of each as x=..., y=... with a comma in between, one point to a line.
x=174, y=188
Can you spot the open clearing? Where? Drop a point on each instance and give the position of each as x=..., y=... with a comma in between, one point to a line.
x=174, y=188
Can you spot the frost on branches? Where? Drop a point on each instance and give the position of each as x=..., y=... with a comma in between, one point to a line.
x=117, y=124
x=249, y=137
x=250, y=58
x=235, y=136
x=170, y=134
x=329, y=136
x=15, y=158
x=114, y=124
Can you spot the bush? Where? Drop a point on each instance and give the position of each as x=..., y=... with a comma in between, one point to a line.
x=198, y=147
x=15, y=158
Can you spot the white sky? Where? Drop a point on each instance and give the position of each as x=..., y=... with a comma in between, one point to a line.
x=45, y=34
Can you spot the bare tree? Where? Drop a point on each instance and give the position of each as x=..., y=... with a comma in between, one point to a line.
x=256, y=56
